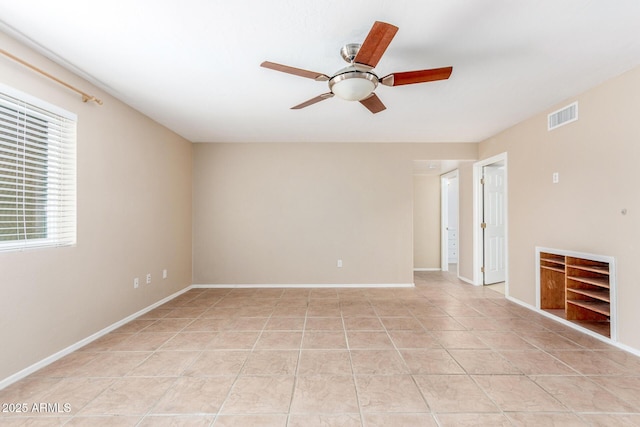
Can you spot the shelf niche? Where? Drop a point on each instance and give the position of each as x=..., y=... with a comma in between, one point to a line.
x=578, y=288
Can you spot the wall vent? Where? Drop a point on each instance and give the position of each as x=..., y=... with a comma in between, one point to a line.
x=562, y=116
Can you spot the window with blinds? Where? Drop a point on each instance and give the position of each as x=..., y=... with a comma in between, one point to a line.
x=37, y=173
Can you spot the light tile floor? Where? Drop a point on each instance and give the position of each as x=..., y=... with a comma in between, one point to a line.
x=441, y=354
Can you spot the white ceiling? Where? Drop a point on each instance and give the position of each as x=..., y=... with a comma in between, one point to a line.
x=193, y=65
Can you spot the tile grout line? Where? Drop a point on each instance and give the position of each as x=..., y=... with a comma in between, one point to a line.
x=353, y=374
x=149, y=411
x=296, y=372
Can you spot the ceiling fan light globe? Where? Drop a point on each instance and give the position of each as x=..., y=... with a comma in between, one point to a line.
x=353, y=86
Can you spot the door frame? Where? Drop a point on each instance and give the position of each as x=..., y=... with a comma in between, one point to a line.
x=444, y=214
x=478, y=247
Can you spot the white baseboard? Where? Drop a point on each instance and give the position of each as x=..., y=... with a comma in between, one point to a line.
x=73, y=347
x=579, y=328
x=304, y=285
x=427, y=269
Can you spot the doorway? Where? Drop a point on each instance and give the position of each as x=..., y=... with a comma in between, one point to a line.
x=490, y=221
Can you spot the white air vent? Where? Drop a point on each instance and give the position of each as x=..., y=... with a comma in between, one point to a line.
x=563, y=116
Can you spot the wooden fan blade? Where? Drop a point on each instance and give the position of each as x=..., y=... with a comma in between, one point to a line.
x=295, y=71
x=420, y=76
x=373, y=103
x=313, y=101
x=376, y=43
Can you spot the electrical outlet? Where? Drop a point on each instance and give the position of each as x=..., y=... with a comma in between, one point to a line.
x=148, y=278
x=136, y=283
x=339, y=263
x=555, y=177
x=164, y=273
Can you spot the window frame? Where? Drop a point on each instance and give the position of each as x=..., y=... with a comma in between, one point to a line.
x=61, y=185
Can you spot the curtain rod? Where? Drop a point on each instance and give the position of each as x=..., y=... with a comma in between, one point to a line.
x=85, y=96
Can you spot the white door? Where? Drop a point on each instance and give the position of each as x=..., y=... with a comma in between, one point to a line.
x=452, y=220
x=449, y=214
x=494, y=224
x=452, y=245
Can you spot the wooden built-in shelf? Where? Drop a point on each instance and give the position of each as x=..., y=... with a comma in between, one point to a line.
x=592, y=268
x=577, y=287
x=595, y=294
x=598, y=307
x=553, y=259
x=594, y=281
x=546, y=267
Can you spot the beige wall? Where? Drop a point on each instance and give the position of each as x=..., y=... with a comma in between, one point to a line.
x=426, y=222
x=597, y=159
x=285, y=213
x=134, y=218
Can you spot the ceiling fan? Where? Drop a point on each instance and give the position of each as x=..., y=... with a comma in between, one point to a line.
x=357, y=82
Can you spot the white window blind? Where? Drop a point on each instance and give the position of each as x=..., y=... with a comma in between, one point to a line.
x=37, y=173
